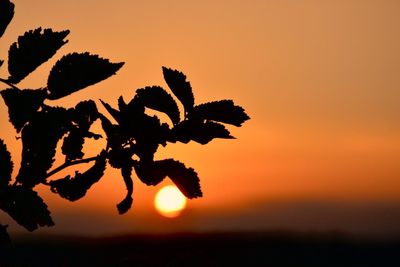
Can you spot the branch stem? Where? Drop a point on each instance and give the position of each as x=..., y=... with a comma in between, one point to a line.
x=8, y=83
x=70, y=163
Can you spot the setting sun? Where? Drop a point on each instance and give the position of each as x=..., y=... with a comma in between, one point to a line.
x=169, y=201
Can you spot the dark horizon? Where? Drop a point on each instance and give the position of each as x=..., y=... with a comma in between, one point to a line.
x=365, y=220
x=216, y=249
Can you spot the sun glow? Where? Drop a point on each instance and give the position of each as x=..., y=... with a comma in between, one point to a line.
x=169, y=201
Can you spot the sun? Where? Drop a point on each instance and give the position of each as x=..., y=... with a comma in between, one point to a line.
x=169, y=201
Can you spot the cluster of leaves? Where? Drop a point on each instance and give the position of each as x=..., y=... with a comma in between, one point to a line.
x=133, y=135
x=137, y=133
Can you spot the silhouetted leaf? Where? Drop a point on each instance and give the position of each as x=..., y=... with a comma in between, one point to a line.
x=33, y=49
x=186, y=179
x=157, y=98
x=150, y=172
x=39, y=141
x=1, y=61
x=7, y=13
x=26, y=208
x=133, y=108
x=148, y=129
x=223, y=111
x=198, y=131
x=83, y=115
x=75, y=71
x=6, y=165
x=77, y=187
x=73, y=145
x=126, y=203
x=181, y=88
x=22, y=105
x=4, y=237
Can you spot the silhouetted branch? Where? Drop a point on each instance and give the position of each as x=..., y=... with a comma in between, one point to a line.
x=70, y=163
x=132, y=140
x=8, y=83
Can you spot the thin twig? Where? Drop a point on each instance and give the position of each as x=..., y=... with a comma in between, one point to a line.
x=8, y=83
x=70, y=163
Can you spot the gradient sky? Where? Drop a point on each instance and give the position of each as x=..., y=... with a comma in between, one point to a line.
x=319, y=79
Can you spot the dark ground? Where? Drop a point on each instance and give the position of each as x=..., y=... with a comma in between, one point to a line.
x=234, y=249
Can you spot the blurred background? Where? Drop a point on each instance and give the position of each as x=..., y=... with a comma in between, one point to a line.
x=319, y=79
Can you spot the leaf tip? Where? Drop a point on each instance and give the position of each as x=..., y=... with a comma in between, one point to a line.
x=124, y=205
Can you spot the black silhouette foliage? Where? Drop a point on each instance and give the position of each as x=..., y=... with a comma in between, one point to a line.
x=199, y=131
x=82, y=116
x=222, y=111
x=132, y=135
x=74, y=188
x=126, y=203
x=76, y=71
x=33, y=49
x=26, y=208
x=181, y=88
x=155, y=97
x=39, y=141
x=6, y=166
x=7, y=13
x=186, y=179
x=22, y=105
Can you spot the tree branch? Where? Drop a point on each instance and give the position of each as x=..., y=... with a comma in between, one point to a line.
x=70, y=163
x=8, y=83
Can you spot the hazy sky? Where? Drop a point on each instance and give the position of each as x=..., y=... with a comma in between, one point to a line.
x=319, y=79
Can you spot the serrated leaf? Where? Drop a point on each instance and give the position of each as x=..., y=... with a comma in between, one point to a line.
x=7, y=13
x=75, y=71
x=26, y=208
x=150, y=172
x=126, y=203
x=155, y=97
x=186, y=179
x=198, y=131
x=77, y=187
x=33, y=49
x=181, y=88
x=22, y=105
x=6, y=165
x=222, y=111
x=39, y=141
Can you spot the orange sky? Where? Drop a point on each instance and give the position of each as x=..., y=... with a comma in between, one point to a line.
x=319, y=80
